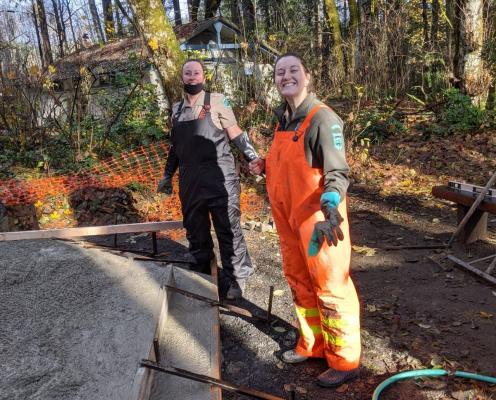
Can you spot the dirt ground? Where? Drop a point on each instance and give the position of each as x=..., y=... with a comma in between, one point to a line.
x=415, y=313
x=417, y=310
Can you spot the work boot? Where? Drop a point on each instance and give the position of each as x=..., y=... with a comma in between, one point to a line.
x=334, y=378
x=292, y=357
x=235, y=290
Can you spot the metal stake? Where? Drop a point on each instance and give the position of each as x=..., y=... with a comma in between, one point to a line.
x=269, y=308
x=256, y=394
x=230, y=307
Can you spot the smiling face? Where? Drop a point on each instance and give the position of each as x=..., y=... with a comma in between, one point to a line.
x=193, y=73
x=290, y=78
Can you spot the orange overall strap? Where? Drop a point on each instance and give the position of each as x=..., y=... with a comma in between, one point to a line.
x=306, y=122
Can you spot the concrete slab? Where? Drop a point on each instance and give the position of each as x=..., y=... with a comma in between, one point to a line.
x=74, y=322
x=189, y=340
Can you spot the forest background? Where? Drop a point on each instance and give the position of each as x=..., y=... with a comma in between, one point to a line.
x=372, y=59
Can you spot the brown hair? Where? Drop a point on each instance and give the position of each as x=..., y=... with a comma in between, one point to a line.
x=194, y=60
x=292, y=55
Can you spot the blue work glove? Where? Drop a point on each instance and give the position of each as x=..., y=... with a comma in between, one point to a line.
x=329, y=229
x=165, y=186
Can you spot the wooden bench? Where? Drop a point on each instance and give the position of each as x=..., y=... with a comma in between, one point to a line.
x=464, y=195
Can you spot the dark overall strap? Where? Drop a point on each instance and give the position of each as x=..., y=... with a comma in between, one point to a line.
x=179, y=111
x=205, y=109
x=206, y=106
x=206, y=102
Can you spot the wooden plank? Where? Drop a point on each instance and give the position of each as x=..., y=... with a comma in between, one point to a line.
x=91, y=231
x=473, y=208
x=446, y=193
x=469, y=267
x=475, y=227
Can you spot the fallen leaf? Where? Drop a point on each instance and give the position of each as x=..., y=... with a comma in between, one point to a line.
x=436, y=220
x=485, y=315
x=279, y=329
x=459, y=395
x=371, y=308
x=367, y=251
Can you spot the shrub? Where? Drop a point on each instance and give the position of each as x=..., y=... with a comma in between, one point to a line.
x=459, y=114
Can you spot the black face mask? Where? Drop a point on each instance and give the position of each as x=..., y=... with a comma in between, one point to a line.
x=193, y=89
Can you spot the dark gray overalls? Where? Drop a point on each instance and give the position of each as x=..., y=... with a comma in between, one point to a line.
x=209, y=186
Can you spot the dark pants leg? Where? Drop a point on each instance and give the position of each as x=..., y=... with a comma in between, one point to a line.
x=226, y=217
x=196, y=221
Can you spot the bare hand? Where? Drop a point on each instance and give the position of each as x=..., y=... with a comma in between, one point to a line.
x=257, y=166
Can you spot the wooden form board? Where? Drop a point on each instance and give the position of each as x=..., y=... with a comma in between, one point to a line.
x=463, y=198
x=91, y=231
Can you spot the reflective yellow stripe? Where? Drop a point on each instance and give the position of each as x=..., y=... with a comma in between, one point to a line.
x=309, y=331
x=307, y=312
x=316, y=329
x=333, y=323
x=334, y=340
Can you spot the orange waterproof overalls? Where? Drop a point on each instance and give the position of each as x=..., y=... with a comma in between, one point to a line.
x=324, y=295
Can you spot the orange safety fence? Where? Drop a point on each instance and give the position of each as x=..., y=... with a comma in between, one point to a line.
x=143, y=166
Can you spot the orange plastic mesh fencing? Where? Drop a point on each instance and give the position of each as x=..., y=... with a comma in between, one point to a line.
x=143, y=166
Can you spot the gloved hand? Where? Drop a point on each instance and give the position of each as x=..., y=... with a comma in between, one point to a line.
x=165, y=186
x=329, y=229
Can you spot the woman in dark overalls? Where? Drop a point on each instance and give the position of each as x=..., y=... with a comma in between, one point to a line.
x=202, y=125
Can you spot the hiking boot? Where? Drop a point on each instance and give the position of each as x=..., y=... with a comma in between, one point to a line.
x=292, y=357
x=235, y=290
x=333, y=378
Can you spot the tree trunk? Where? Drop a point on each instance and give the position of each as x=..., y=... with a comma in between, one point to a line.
x=425, y=24
x=60, y=31
x=491, y=96
x=162, y=44
x=310, y=6
x=326, y=53
x=434, y=23
x=353, y=38
x=354, y=18
x=265, y=8
x=211, y=7
x=118, y=20
x=489, y=51
x=126, y=15
x=71, y=24
x=109, y=19
x=96, y=21
x=331, y=12
x=60, y=7
x=195, y=4
x=45, y=38
x=248, y=18
x=37, y=31
x=467, y=40
x=177, y=13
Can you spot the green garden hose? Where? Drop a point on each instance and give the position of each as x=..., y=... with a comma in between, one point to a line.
x=429, y=372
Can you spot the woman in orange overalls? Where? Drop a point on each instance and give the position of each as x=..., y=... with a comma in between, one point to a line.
x=307, y=180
